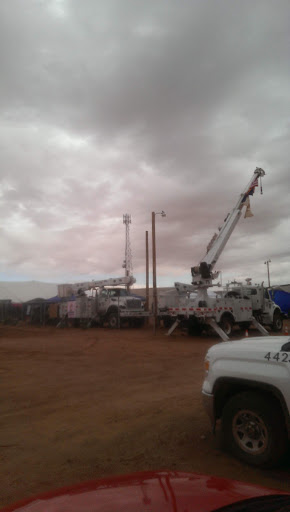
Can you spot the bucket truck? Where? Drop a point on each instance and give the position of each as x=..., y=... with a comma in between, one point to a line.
x=232, y=306
x=108, y=303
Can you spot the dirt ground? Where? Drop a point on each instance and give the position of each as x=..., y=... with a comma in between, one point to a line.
x=81, y=404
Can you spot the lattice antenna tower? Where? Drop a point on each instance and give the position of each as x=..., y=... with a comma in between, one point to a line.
x=127, y=264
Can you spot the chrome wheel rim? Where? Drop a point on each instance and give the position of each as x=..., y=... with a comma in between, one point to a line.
x=250, y=432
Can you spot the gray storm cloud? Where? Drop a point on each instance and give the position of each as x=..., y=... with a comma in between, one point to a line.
x=135, y=107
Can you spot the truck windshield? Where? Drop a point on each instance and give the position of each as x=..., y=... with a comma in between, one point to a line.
x=118, y=292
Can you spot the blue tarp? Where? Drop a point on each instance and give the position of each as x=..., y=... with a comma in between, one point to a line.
x=282, y=299
x=54, y=299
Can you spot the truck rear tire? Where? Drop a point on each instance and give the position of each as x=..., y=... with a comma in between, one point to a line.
x=227, y=324
x=277, y=324
x=113, y=321
x=253, y=429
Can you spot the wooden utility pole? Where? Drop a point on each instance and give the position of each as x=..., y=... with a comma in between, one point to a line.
x=154, y=274
x=163, y=214
x=147, y=273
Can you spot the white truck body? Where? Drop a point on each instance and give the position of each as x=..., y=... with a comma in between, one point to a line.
x=240, y=309
x=240, y=374
x=263, y=307
x=243, y=306
x=108, y=303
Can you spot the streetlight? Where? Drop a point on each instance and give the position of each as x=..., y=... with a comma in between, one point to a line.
x=163, y=214
x=267, y=263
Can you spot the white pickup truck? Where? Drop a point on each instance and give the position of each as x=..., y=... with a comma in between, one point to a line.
x=247, y=387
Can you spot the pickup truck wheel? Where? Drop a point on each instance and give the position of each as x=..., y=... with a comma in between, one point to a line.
x=113, y=320
x=253, y=429
x=226, y=324
x=277, y=324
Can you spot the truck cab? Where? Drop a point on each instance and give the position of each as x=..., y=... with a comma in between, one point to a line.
x=117, y=297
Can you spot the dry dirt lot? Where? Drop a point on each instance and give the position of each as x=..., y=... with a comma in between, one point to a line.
x=81, y=404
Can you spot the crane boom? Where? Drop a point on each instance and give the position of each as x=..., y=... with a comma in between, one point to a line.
x=203, y=273
x=65, y=290
x=230, y=222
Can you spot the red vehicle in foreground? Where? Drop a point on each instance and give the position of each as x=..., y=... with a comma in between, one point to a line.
x=163, y=491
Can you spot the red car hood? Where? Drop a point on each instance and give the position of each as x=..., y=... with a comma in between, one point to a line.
x=163, y=491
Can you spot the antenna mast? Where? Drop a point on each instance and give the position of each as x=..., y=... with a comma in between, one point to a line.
x=127, y=264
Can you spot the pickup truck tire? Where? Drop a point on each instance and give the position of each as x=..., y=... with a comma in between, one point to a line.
x=277, y=324
x=113, y=320
x=253, y=429
x=227, y=324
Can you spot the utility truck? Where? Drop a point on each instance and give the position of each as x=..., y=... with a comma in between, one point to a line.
x=264, y=309
x=107, y=304
x=242, y=306
x=247, y=388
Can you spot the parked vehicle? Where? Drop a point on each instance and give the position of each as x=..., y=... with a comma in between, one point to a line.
x=247, y=387
x=282, y=298
x=263, y=308
x=228, y=308
x=109, y=304
x=163, y=491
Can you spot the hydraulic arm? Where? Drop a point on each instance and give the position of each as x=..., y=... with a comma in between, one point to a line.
x=202, y=275
x=65, y=290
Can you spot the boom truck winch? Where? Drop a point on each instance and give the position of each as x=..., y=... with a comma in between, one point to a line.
x=109, y=303
x=239, y=306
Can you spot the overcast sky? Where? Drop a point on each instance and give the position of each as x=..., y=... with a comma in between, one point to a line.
x=127, y=106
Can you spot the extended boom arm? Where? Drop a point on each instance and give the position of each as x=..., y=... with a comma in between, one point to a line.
x=65, y=290
x=203, y=274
